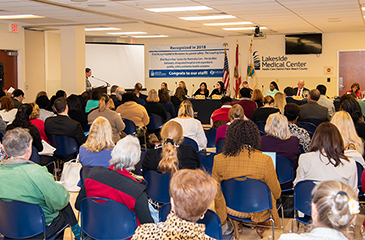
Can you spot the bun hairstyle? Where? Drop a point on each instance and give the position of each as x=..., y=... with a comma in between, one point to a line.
x=336, y=204
x=104, y=100
x=172, y=135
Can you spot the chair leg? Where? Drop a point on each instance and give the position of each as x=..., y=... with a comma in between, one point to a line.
x=235, y=228
x=292, y=225
x=273, y=228
x=282, y=218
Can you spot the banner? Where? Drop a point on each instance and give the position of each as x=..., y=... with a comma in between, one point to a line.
x=186, y=60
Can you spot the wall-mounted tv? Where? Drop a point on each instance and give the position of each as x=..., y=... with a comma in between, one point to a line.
x=303, y=44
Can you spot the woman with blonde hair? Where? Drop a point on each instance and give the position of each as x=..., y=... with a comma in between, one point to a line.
x=153, y=106
x=279, y=140
x=258, y=97
x=354, y=145
x=334, y=209
x=115, y=120
x=262, y=113
x=182, y=84
x=33, y=119
x=280, y=102
x=171, y=155
x=192, y=127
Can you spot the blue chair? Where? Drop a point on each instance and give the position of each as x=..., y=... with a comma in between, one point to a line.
x=310, y=127
x=64, y=145
x=191, y=142
x=206, y=161
x=155, y=124
x=302, y=202
x=138, y=167
x=284, y=171
x=23, y=220
x=249, y=196
x=261, y=126
x=130, y=127
x=103, y=218
x=84, y=171
x=219, y=146
x=313, y=121
x=210, y=134
x=168, y=114
x=35, y=156
x=360, y=169
x=213, y=225
x=158, y=186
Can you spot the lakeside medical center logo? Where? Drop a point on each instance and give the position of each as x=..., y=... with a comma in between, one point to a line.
x=277, y=63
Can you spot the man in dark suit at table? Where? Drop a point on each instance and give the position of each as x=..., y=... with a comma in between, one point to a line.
x=312, y=110
x=246, y=103
x=298, y=91
x=289, y=92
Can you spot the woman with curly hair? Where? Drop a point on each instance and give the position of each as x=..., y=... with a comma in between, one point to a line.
x=241, y=157
x=351, y=106
x=178, y=97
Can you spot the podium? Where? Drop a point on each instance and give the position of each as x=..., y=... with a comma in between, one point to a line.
x=100, y=90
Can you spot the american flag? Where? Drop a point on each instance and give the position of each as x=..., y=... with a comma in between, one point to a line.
x=225, y=71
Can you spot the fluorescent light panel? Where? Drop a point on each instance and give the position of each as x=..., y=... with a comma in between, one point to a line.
x=207, y=17
x=227, y=23
x=243, y=28
x=21, y=16
x=102, y=29
x=179, y=9
x=363, y=8
x=126, y=33
x=149, y=36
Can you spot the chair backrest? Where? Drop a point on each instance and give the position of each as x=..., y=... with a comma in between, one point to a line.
x=310, y=127
x=130, y=127
x=35, y=156
x=156, y=122
x=210, y=134
x=168, y=114
x=206, y=161
x=138, y=167
x=219, y=146
x=360, y=169
x=261, y=126
x=103, y=218
x=303, y=196
x=213, y=225
x=21, y=220
x=191, y=142
x=284, y=169
x=84, y=171
x=313, y=121
x=246, y=195
x=158, y=186
x=64, y=145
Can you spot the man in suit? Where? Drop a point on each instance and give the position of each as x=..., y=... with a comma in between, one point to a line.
x=18, y=97
x=312, y=110
x=246, y=103
x=62, y=124
x=113, y=94
x=324, y=101
x=298, y=91
x=88, y=73
x=289, y=92
x=119, y=93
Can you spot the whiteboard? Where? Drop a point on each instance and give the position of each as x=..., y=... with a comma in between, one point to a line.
x=119, y=64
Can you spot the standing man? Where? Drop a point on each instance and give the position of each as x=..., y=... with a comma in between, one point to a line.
x=18, y=97
x=298, y=91
x=88, y=73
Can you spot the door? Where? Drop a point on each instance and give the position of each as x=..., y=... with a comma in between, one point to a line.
x=351, y=70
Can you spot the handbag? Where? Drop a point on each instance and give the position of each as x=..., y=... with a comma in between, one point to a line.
x=71, y=175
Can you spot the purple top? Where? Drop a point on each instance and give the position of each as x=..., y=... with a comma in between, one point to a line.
x=95, y=159
x=221, y=132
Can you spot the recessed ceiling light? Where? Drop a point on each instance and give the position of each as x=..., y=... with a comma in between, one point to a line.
x=78, y=0
x=207, y=17
x=126, y=33
x=102, y=29
x=22, y=16
x=96, y=5
x=243, y=28
x=150, y=36
x=363, y=8
x=179, y=9
x=227, y=23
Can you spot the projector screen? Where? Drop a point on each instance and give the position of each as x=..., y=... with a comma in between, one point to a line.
x=116, y=63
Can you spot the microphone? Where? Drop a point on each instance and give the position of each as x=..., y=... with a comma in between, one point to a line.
x=193, y=87
x=262, y=86
x=175, y=84
x=107, y=84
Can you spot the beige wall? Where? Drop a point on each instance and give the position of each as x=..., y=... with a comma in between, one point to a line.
x=53, y=62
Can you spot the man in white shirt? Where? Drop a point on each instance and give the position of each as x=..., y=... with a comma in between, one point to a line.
x=324, y=101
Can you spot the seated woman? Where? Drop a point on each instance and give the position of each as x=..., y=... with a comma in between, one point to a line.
x=170, y=155
x=121, y=185
x=279, y=140
x=114, y=119
x=355, y=88
x=75, y=111
x=192, y=127
x=258, y=97
x=165, y=100
x=7, y=110
x=261, y=114
x=164, y=86
x=33, y=119
x=93, y=102
x=236, y=112
x=241, y=157
x=292, y=112
x=178, y=97
x=153, y=106
x=97, y=149
x=219, y=89
x=183, y=86
x=133, y=111
x=203, y=90
x=354, y=145
x=351, y=106
x=191, y=193
x=273, y=89
x=279, y=101
x=334, y=209
x=326, y=159
x=22, y=120
x=45, y=110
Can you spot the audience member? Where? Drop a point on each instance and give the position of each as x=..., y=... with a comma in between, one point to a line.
x=220, y=116
x=113, y=93
x=34, y=119
x=203, y=90
x=133, y=111
x=236, y=112
x=21, y=180
x=138, y=88
x=61, y=93
x=219, y=89
x=355, y=88
x=84, y=97
x=164, y=86
x=2, y=126
x=334, y=209
x=326, y=159
x=245, y=85
x=258, y=97
x=119, y=93
x=279, y=140
x=182, y=84
x=192, y=128
x=262, y=113
x=273, y=89
x=245, y=102
x=191, y=193
x=114, y=119
x=7, y=111
x=18, y=97
x=41, y=93
x=351, y=106
x=43, y=103
x=291, y=112
x=324, y=101
x=75, y=111
x=153, y=105
x=165, y=100
x=312, y=110
x=289, y=93
x=122, y=186
x=171, y=155
x=140, y=101
x=279, y=102
x=242, y=157
x=298, y=91
x=178, y=98
x=93, y=102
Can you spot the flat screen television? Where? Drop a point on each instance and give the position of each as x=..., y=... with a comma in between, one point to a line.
x=303, y=44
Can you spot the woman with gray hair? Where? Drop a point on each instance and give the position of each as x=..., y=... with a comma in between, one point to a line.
x=117, y=182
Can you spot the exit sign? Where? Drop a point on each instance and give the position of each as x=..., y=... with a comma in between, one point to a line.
x=13, y=28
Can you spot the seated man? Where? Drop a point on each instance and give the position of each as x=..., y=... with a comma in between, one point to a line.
x=246, y=103
x=289, y=93
x=22, y=180
x=18, y=97
x=312, y=110
x=324, y=100
x=220, y=116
